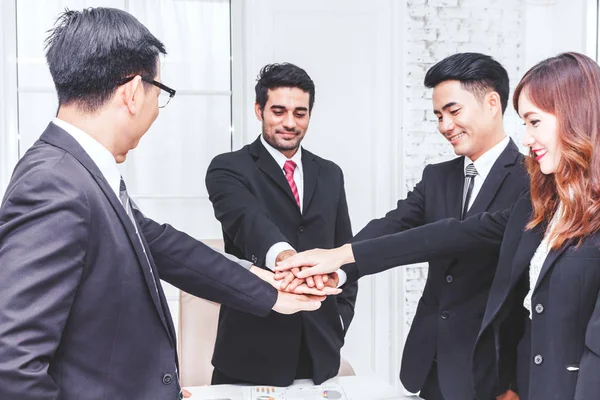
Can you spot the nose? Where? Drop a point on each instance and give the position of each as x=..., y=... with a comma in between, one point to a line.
x=289, y=122
x=446, y=125
x=528, y=140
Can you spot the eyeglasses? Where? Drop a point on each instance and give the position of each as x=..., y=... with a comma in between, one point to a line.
x=166, y=93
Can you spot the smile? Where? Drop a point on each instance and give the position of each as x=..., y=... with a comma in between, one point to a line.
x=456, y=138
x=539, y=153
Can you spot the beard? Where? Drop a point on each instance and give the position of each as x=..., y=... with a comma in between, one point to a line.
x=283, y=145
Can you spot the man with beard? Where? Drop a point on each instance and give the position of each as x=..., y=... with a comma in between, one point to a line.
x=274, y=198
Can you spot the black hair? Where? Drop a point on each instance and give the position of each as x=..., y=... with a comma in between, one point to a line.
x=90, y=51
x=478, y=73
x=273, y=76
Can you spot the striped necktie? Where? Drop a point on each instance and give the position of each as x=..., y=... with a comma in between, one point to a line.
x=288, y=169
x=470, y=175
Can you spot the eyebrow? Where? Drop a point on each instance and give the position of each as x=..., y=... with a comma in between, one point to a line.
x=283, y=108
x=452, y=103
x=527, y=114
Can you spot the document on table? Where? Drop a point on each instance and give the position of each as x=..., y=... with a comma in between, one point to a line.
x=320, y=392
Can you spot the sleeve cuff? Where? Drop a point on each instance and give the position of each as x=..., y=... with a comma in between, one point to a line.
x=342, y=279
x=274, y=252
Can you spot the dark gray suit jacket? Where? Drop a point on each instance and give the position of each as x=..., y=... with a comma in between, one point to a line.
x=79, y=315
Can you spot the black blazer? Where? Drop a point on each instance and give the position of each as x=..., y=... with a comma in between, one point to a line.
x=256, y=208
x=451, y=308
x=565, y=341
x=79, y=315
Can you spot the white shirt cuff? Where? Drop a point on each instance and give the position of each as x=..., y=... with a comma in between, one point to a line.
x=342, y=276
x=274, y=252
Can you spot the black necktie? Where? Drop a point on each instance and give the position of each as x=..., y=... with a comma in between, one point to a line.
x=127, y=204
x=470, y=175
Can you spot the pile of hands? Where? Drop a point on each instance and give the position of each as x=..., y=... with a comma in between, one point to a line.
x=295, y=291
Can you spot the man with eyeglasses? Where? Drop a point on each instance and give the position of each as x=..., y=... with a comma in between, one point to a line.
x=82, y=311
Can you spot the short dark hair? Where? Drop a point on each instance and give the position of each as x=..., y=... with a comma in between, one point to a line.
x=273, y=76
x=478, y=73
x=90, y=51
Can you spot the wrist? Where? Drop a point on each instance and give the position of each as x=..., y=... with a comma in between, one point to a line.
x=347, y=254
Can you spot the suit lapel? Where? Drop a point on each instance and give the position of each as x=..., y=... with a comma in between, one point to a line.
x=456, y=179
x=310, y=169
x=269, y=166
x=57, y=137
x=493, y=181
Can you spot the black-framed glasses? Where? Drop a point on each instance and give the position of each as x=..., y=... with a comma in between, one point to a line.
x=166, y=93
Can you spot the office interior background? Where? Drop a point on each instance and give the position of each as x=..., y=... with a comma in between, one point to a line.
x=372, y=114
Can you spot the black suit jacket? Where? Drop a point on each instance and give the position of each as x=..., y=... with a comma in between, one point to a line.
x=79, y=315
x=451, y=308
x=256, y=208
x=565, y=339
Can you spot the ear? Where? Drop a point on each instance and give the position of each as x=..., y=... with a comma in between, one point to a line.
x=258, y=111
x=132, y=94
x=494, y=103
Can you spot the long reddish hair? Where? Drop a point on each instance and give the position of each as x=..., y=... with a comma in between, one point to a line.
x=568, y=87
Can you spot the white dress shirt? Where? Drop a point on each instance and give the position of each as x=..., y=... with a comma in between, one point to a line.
x=484, y=165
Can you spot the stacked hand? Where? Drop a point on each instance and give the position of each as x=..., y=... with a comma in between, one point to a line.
x=298, y=293
x=317, y=262
x=290, y=280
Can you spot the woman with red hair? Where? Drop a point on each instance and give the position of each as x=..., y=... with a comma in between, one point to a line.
x=540, y=336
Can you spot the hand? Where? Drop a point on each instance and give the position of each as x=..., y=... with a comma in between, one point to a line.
x=186, y=394
x=322, y=282
x=288, y=303
x=269, y=277
x=508, y=395
x=322, y=262
x=289, y=277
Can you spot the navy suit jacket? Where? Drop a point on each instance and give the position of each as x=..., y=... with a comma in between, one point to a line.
x=80, y=317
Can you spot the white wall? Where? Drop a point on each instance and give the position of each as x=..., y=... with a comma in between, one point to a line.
x=350, y=48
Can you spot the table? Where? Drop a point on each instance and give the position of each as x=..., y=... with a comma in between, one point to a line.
x=356, y=388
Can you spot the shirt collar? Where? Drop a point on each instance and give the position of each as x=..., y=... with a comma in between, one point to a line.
x=486, y=161
x=280, y=159
x=103, y=158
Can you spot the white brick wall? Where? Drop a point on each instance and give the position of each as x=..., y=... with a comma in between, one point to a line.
x=437, y=29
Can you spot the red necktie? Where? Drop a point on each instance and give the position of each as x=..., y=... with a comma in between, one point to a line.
x=289, y=168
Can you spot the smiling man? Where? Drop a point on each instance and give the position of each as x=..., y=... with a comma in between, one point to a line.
x=273, y=198
x=470, y=94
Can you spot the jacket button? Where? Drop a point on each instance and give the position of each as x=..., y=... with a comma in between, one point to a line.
x=538, y=360
x=167, y=379
x=254, y=259
x=444, y=315
x=301, y=229
x=449, y=279
x=539, y=308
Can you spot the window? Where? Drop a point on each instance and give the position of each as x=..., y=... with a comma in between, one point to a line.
x=165, y=175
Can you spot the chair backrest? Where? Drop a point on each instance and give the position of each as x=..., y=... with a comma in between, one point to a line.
x=198, y=319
